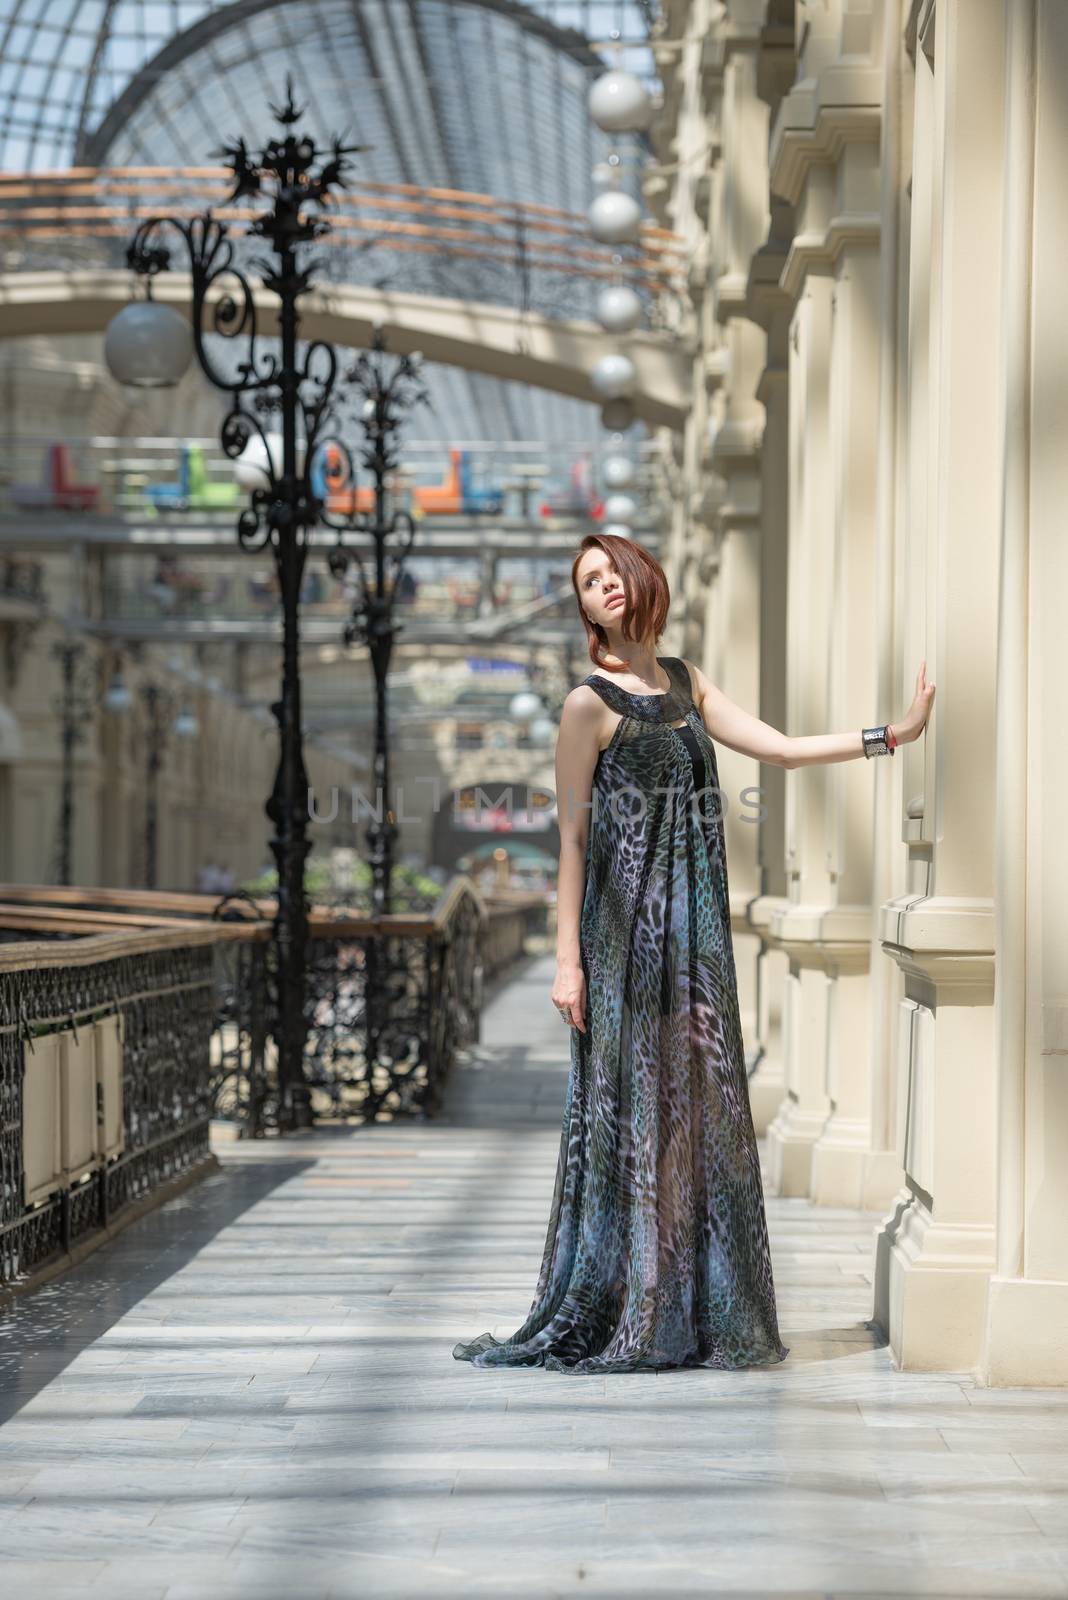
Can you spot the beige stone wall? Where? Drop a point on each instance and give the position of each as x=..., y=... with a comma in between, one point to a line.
x=878, y=482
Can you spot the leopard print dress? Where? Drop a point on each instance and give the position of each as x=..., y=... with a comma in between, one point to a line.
x=657, y=1249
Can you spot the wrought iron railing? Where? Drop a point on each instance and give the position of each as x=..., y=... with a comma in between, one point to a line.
x=390, y=1001
x=389, y=1004
x=80, y=1140
x=22, y=580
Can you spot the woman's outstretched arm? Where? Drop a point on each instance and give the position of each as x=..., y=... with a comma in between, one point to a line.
x=729, y=724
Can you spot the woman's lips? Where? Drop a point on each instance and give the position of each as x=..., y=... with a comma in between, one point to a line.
x=616, y=600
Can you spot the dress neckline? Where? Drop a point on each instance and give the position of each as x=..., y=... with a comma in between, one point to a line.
x=634, y=694
x=677, y=701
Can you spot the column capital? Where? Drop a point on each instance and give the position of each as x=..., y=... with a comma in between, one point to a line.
x=716, y=365
x=818, y=250
x=944, y=944
x=808, y=133
x=761, y=911
x=832, y=939
x=737, y=444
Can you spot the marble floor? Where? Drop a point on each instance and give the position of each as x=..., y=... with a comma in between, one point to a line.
x=252, y=1393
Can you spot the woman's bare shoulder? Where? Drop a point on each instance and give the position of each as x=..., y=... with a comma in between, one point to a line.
x=585, y=715
x=583, y=694
x=583, y=705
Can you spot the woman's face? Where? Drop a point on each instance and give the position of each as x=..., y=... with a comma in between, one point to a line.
x=601, y=589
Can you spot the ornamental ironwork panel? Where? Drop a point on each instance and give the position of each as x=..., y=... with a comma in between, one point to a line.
x=244, y=1084
x=167, y=1001
x=385, y=1014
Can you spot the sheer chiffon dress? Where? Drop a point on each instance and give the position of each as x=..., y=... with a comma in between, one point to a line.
x=657, y=1252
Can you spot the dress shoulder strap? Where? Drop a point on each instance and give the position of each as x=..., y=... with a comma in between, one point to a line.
x=679, y=673
x=610, y=693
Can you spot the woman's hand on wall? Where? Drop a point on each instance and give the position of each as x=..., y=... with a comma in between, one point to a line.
x=914, y=721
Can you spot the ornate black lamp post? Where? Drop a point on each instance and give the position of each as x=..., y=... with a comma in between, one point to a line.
x=160, y=722
x=296, y=179
x=390, y=387
x=74, y=707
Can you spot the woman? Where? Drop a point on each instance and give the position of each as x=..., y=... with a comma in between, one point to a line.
x=657, y=1248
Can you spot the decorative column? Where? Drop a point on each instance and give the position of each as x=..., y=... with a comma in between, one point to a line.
x=890, y=629
x=769, y=306
x=687, y=132
x=935, y=1251
x=739, y=228
x=802, y=1115
x=1025, y=1340
x=824, y=163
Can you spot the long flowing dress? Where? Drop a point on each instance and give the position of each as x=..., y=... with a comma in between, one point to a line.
x=657, y=1248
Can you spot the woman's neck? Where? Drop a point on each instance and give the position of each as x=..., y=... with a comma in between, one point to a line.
x=639, y=660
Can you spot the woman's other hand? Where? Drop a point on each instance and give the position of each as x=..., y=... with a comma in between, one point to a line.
x=569, y=993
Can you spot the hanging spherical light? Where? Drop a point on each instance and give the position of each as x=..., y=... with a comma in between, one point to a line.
x=617, y=415
x=617, y=472
x=615, y=217
x=619, y=103
x=613, y=376
x=186, y=725
x=619, y=309
x=118, y=697
x=148, y=345
x=254, y=466
x=525, y=705
x=620, y=508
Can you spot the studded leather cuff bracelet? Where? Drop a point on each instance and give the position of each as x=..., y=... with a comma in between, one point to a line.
x=878, y=741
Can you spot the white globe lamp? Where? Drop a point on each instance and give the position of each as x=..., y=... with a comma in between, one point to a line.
x=619, y=309
x=525, y=705
x=252, y=468
x=615, y=217
x=186, y=725
x=257, y=460
x=148, y=345
x=617, y=472
x=118, y=697
x=619, y=103
x=620, y=508
x=613, y=376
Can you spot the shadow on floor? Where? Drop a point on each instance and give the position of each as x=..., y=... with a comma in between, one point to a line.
x=45, y=1330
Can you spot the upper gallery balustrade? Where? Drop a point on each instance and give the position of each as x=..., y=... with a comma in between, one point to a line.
x=539, y=259
x=174, y=484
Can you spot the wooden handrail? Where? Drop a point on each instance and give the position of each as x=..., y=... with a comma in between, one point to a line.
x=32, y=954
x=112, y=912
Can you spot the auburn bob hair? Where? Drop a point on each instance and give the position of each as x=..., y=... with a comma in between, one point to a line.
x=648, y=597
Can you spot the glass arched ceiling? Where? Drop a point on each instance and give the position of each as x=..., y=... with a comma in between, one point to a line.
x=64, y=64
x=480, y=95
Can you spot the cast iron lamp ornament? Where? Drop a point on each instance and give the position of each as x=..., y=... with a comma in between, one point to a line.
x=390, y=387
x=161, y=720
x=74, y=705
x=296, y=179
